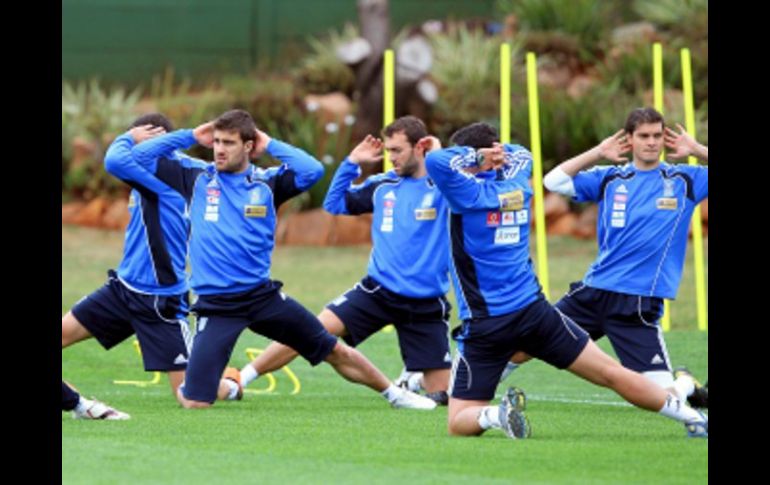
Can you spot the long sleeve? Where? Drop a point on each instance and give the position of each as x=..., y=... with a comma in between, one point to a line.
x=463, y=191
x=148, y=152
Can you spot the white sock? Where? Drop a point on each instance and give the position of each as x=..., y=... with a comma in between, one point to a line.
x=489, y=417
x=392, y=392
x=248, y=374
x=684, y=386
x=233, y=389
x=677, y=409
x=83, y=404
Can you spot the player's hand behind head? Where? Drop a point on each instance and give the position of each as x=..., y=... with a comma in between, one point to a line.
x=369, y=150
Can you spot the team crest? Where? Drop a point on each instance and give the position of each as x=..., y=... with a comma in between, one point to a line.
x=668, y=188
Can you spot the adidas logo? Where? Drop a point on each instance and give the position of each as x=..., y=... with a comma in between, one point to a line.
x=656, y=360
x=390, y=196
x=622, y=189
x=180, y=359
x=447, y=357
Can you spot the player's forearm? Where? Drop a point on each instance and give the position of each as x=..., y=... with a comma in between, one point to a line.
x=700, y=151
x=334, y=202
x=581, y=162
x=146, y=153
x=308, y=170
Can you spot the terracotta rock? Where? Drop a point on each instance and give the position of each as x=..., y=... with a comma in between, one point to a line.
x=564, y=225
x=704, y=210
x=332, y=107
x=554, y=206
x=580, y=85
x=554, y=75
x=586, y=223
x=91, y=214
x=310, y=228
x=116, y=215
x=70, y=210
x=351, y=230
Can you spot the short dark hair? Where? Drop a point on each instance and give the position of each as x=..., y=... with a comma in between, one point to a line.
x=641, y=116
x=412, y=126
x=476, y=135
x=154, y=119
x=237, y=120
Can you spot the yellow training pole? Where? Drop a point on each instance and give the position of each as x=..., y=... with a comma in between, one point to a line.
x=537, y=172
x=389, y=98
x=657, y=89
x=505, y=93
x=697, y=230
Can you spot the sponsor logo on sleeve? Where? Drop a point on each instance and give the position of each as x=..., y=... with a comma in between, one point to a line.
x=255, y=211
x=509, y=218
x=667, y=203
x=511, y=201
x=493, y=219
x=425, y=214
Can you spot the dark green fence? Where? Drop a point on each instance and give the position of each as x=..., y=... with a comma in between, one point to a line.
x=129, y=41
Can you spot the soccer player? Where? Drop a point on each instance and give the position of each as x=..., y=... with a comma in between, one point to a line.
x=147, y=295
x=233, y=214
x=83, y=408
x=645, y=207
x=502, y=307
x=407, y=278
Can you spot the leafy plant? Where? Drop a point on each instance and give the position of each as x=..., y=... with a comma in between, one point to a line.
x=466, y=70
x=94, y=116
x=579, y=24
x=321, y=71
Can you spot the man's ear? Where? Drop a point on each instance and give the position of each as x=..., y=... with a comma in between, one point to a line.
x=249, y=146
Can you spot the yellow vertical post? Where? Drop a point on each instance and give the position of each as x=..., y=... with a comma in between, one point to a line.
x=537, y=172
x=657, y=89
x=697, y=230
x=505, y=93
x=389, y=98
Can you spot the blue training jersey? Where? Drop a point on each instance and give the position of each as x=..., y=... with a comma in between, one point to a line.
x=489, y=230
x=644, y=216
x=234, y=216
x=155, y=246
x=410, y=251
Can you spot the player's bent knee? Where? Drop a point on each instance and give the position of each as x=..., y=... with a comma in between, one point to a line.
x=340, y=352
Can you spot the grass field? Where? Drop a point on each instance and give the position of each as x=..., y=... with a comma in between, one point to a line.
x=336, y=432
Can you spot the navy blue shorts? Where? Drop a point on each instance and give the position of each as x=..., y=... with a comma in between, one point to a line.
x=485, y=345
x=422, y=324
x=264, y=310
x=631, y=323
x=113, y=313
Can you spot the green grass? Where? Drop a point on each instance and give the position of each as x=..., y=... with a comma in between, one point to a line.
x=336, y=432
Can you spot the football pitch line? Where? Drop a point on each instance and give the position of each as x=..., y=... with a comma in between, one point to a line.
x=569, y=400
